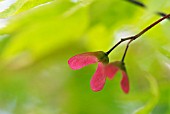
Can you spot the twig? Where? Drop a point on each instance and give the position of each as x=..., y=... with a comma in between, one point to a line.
x=132, y=38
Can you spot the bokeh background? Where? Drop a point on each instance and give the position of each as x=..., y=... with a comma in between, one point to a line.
x=37, y=37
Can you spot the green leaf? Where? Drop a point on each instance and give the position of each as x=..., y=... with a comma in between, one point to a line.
x=147, y=109
x=12, y=9
x=31, y=4
x=20, y=6
x=41, y=32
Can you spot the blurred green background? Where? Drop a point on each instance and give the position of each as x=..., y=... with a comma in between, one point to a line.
x=37, y=37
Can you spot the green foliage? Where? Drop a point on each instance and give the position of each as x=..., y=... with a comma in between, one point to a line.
x=21, y=5
x=51, y=35
x=32, y=3
x=39, y=39
x=146, y=109
x=12, y=9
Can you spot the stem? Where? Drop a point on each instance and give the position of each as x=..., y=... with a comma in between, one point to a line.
x=152, y=25
x=127, y=46
x=122, y=40
x=141, y=33
x=108, y=52
x=162, y=14
x=131, y=38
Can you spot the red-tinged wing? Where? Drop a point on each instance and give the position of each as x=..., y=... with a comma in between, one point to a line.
x=125, y=82
x=111, y=70
x=81, y=60
x=98, y=80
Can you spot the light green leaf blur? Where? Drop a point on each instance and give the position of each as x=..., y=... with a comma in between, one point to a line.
x=20, y=6
x=147, y=108
x=51, y=35
x=40, y=36
x=32, y=3
x=12, y=9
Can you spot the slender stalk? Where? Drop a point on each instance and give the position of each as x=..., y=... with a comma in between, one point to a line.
x=152, y=25
x=142, y=32
x=108, y=52
x=127, y=46
x=132, y=38
x=117, y=44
